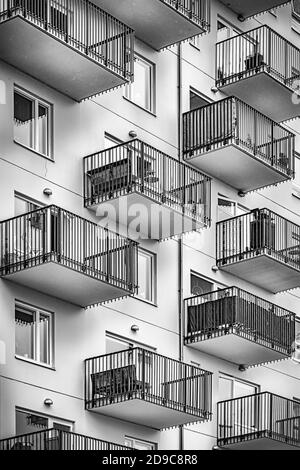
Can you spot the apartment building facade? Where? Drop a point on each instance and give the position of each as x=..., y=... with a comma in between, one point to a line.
x=171, y=323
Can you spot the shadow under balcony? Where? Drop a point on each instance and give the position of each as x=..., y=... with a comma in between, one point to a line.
x=55, y=439
x=247, y=9
x=261, y=247
x=80, y=51
x=261, y=68
x=144, y=388
x=60, y=254
x=235, y=143
x=136, y=181
x=161, y=23
x=259, y=422
x=239, y=327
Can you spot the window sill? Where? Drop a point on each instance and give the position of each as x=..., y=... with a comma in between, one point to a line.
x=140, y=107
x=34, y=151
x=34, y=363
x=152, y=304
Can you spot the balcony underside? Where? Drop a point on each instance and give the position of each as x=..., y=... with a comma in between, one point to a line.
x=247, y=9
x=266, y=272
x=238, y=350
x=51, y=61
x=266, y=94
x=148, y=414
x=66, y=284
x=263, y=443
x=164, y=222
x=238, y=168
x=154, y=22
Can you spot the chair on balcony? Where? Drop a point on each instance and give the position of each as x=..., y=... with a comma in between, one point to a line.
x=111, y=384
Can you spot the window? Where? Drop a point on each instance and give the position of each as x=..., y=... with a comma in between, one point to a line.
x=32, y=122
x=228, y=208
x=110, y=141
x=23, y=205
x=34, y=334
x=147, y=276
x=139, y=444
x=197, y=100
x=201, y=286
x=141, y=91
x=225, y=30
x=230, y=388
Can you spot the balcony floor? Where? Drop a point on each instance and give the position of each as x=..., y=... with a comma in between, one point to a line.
x=261, y=444
x=238, y=168
x=266, y=272
x=266, y=94
x=238, y=350
x=154, y=22
x=247, y=9
x=158, y=227
x=53, y=62
x=66, y=284
x=147, y=414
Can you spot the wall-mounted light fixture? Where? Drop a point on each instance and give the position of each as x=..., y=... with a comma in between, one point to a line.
x=132, y=134
x=215, y=269
x=48, y=402
x=214, y=89
x=135, y=328
x=47, y=192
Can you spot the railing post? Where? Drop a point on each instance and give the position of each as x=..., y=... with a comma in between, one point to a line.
x=143, y=373
x=142, y=167
x=271, y=414
x=107, y=254
x=87, y=29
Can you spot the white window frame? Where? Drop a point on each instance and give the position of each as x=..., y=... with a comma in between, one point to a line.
x=131, y=442
x=35, y=134
x=128, y=91
x=36, y=336
x=215, y=286
x=51, y=420
x=153, y=276
x=234, y=203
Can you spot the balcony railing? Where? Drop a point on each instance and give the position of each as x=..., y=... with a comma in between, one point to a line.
x=162, y=23
x=271, y=65
x=232, y=310
x=54, y=439
x=233, y=122
x=141, y=374
x=82, y=26
x=52, y=234
x=137, y=167
x=257, y=233
x=197, y=11
x=260, y=416
x=258, y=50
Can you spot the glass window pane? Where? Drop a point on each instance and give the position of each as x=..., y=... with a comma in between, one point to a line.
x=43, y=130
x=145, y=276
x=45, y=338
x=140, y=92
x=200, y=286
x=24, y=120
x=242, y=389
x=225, y=389
x=25, y=328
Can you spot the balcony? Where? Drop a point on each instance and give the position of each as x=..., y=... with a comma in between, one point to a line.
x=261, y=68
x=60, y=254
x=54, y=439
x=247, y=9
x=261, y=247
x=145, y=388
x=161, y=23
x=259, y=422
x=134, y=179
x=239, y=327
x=238, y=145
x=82, y=51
